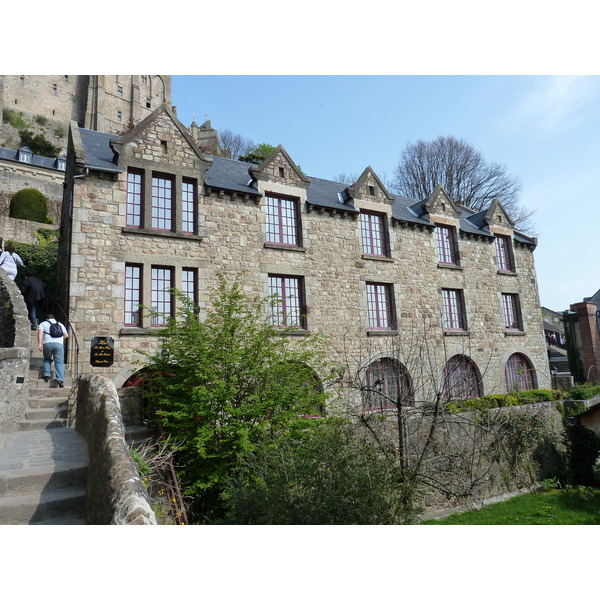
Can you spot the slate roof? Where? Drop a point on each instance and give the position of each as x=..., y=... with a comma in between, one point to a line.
x=36, y=161
x=233, y=175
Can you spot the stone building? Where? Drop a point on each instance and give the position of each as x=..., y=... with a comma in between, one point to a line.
x=148, y=210
x=108, y=103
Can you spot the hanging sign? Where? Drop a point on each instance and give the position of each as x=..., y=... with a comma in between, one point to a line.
x=102, y=352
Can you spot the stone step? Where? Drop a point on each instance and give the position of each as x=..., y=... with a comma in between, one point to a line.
x=34, y=479
x=47, y=402
x=44, y=507
x=46, y=413
x=136, y=434
x=50, y=390
x=40, y=424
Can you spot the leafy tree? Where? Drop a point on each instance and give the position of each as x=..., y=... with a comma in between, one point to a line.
x=223, y=385
x=38, y=144
x=257, y=154
x=463, y=172
x=329, y=476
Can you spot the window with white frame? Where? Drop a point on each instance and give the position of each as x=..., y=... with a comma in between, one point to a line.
x=161, y=297
x=454, y=314
x=162, y=203
x=283, y=221
x=504, y=254
x=374, y=234
x=511, y=308
x=447, y=245
x=380, y=306
x=188, y=206
x=133, y=216
x=189, y=284
x=288, y=307
x=133, y=295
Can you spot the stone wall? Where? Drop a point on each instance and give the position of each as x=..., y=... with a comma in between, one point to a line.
x=115, y=494
x=14, y=354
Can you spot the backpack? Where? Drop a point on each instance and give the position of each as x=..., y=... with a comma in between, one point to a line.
x=55, y=329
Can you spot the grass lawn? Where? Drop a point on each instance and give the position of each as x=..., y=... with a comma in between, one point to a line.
x=547, y=507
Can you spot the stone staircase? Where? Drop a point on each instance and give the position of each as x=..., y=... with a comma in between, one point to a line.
x=43, y=463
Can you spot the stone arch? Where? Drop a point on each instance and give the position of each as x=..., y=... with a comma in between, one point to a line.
x=388, y=385
x=462, y=379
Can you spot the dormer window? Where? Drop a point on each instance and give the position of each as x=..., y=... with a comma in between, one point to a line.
x=371, y=190
x=61, y=163
x=25, y=155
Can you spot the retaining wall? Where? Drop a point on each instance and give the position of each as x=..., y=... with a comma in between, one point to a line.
x=15, y=331
x=115, y=494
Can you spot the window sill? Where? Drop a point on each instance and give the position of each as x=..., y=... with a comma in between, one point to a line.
x=509, y=273
x=293, y=332
x=379, y=258
x=282, y=247
x=457, y=333
x=138, y=330
x=449, y=266
x=381, y=332
x=160, y=233
x=515, y=332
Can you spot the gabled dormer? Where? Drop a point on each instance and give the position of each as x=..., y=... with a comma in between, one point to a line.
x=440, y=204
x=160, y=140
x=279, y=168
x=497, y=219
x=370, y=188
x=24, y=154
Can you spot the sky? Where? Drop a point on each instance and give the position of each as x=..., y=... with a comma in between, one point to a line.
x=543, y=129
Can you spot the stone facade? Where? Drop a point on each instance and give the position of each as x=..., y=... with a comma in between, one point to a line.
x=109, y=103
x=327, y=260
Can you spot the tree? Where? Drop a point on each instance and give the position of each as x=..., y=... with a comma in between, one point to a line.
x=223, y=385
x=257, y=154
x=463, y=172
x=234, y=145
x=38, y=144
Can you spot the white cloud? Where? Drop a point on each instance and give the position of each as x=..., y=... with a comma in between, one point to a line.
x=556, y=103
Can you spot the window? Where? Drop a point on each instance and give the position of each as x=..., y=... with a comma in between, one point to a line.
x=119, y=90
x=388, y=385
x=447, y=245
x=374, y=234
x=282, y=221
x=161, y=298
x=189, y=284
x=162, y=203
x=119, y=116
x=519, y=374
x=25, y=155
x=288, y=309
x=148, y=103
x=144, y=78
x=454, y=315
x=504, y=254
x=188, y=207
x=134, y=199
x=512, y=312
x=54, y=89
x=380, y=306
x=462, y=379
x=22, y=79
x=133, y=294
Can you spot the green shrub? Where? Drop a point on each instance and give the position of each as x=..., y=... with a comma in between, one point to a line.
x=29, y=204
x=38, y=144
x=584, y=391
x=41, y=120
x=15, y=119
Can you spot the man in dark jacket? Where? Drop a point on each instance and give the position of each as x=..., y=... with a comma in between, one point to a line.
x=33, y=293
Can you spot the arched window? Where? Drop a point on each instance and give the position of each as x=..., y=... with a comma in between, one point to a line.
x=519, y=373
x=388, y=384
x=462, y=379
